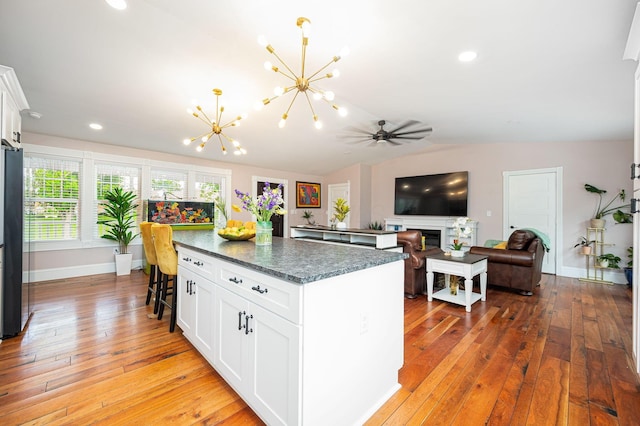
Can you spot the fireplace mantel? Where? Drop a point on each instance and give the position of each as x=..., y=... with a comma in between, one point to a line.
x=443, y=224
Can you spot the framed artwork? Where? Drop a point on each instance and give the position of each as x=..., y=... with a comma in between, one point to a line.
x=307, y=195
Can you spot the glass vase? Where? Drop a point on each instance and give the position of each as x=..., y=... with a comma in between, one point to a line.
x=264, y=233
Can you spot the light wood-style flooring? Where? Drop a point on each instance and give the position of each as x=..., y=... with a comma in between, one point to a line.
x=91, y=355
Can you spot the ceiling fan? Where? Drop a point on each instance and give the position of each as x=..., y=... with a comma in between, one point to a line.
x=394, y=137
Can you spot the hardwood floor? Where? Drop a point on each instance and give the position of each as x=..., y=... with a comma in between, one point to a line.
x=91, y=355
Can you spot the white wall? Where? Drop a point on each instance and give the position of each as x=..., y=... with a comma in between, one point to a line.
x=603, y=164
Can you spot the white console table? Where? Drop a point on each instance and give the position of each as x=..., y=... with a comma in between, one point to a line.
x=381, y=240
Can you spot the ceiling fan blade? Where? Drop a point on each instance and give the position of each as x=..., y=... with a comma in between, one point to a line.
x=360, y=141
x=404, y=125
x=426, y=130
x=392, y=142
x=408, y=138
x=358, y=130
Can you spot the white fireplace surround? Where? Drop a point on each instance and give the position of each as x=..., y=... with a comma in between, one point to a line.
x=444, y=224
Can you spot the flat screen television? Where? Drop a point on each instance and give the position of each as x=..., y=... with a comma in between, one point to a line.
x=442, y=194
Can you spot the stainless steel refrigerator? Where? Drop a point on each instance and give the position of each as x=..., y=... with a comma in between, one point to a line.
x=14, y=294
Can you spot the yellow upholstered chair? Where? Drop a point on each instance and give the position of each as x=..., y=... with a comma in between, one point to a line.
x=155, y=276
x=168, y=263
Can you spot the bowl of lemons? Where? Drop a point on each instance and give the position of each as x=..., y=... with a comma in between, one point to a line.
x=238, y=231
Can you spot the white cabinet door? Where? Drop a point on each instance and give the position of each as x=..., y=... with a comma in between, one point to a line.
x=186, y=303
x=204, y=324
x=230, y=356
x=275, y=354
x=11, y=120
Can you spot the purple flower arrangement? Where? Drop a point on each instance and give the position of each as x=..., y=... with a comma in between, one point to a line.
x=265, y=205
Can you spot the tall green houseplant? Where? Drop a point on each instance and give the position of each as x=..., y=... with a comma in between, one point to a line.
x=119, y=217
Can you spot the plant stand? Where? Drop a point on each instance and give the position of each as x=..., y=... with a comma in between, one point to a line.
x=595, y=273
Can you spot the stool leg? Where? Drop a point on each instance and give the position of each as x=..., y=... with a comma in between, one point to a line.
x=156, y=305
x=163, y=295
x=152, y=283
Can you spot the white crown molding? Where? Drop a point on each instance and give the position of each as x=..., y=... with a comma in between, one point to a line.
x=10, y=81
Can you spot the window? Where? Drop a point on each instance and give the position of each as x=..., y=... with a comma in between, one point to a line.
x=211, y=188
x=168, y=185
x=52, y=187
x=109, y=176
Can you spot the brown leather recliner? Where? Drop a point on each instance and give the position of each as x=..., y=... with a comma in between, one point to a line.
x=415, y=273
x=519, y=266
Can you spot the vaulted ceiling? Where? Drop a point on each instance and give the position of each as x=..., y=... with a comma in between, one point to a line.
x=546, y=70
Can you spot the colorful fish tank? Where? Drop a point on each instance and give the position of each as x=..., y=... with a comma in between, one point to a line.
x=180, y=213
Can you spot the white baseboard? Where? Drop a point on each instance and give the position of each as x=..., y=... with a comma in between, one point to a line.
x=76, y=271
x=617, y=277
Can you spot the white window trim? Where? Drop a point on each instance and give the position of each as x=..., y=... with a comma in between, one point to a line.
x=88, y=189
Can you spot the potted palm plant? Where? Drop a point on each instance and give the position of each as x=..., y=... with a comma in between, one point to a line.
x=118, y=215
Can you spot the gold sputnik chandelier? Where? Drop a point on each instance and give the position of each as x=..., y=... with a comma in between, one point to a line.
x=302, y=84
x=216, y=128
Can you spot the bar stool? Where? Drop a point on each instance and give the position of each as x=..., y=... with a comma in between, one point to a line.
x=155, y=276
x=168, y=264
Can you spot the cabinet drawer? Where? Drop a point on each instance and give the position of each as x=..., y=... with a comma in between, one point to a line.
x=196, y=262
x=275, y=295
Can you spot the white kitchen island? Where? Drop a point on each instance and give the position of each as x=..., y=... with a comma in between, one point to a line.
x=306, y=333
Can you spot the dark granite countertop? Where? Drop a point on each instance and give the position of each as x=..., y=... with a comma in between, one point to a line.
x=288, y=259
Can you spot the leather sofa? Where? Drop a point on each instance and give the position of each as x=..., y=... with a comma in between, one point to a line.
x=519, y=266
x=415, y=273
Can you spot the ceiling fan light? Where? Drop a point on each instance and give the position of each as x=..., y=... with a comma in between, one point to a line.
x=467, y=56
x=117, y=4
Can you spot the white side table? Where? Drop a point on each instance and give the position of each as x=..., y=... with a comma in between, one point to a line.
x=468, y=267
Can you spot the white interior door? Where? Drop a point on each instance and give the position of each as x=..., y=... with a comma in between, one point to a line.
x=532, y=200
x=338, y=190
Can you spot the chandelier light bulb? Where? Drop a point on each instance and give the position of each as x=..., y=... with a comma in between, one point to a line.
x=258, y=105
x=317, y=96
x=262, y=41
x=282, y=123
x=318, y=124
x=306, y=29
x=200, y=147
x=329, y=95
x=344, y=52
x=268, y=66
x=186, y=141
x=189, y=111
x=335, y=73
x=342, y=112
x=235, y=143
x=278, y=91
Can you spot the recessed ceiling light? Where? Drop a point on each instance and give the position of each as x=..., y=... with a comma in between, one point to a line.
x=95, y=126
x=117, y=4
x=467, y=56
